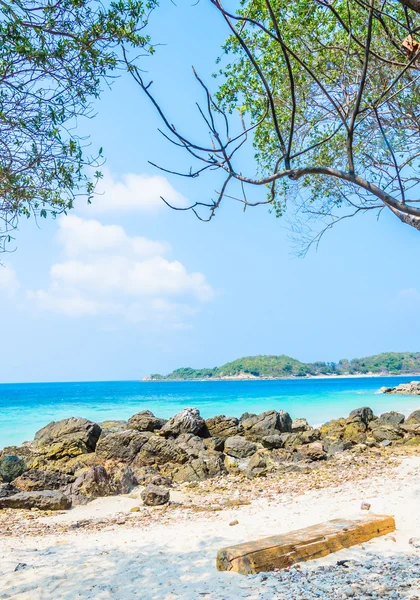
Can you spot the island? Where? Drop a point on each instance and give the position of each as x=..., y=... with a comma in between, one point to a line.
x=284, y=367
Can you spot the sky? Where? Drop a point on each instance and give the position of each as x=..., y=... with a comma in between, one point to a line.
x=126, y=287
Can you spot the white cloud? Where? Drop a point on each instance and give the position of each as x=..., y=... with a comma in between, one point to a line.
x=132, y=193
x=107, y=272
x=8, y=280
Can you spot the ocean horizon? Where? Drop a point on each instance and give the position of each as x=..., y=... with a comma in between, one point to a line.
x=27, y=407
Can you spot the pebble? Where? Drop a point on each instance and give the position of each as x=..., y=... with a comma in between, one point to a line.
x=365, y=506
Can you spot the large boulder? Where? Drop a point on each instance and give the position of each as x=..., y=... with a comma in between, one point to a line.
x=11, y=466
x=223, y=427
x=391, y=418
x=267, y=423
x=67, y=438
x=362, y=415
x=108, y=427
x=239, y=447
x=122, y=445
x=314, y=451
x=272, y=441
x=186, y=421
x=257, y=465
x=190, y=443
x=207, y=464
x=154, y=495
x=44, y=500
x=145, y=421
x=382, y=433
x=93, y=483
x=299, y=425
x=413, y=418
x=36, y=480
x=159, y=451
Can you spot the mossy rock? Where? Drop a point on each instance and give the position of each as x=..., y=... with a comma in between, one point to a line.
x=414, y=441
x=354, y=432
x=333, y=429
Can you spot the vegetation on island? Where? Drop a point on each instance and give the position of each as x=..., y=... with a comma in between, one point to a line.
x=274, y=367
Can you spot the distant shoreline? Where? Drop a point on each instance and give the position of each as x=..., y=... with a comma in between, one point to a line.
x=255, y=378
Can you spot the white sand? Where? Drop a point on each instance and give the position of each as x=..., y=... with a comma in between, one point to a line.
x=177, y=560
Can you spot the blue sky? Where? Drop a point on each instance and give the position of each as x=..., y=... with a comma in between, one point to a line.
x=128, y=287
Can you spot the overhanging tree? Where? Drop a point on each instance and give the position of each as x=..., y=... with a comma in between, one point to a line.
x=329, y=91
x=55, y=56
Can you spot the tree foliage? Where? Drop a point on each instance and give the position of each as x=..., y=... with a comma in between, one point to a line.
x=329, y=91
x=55, y=57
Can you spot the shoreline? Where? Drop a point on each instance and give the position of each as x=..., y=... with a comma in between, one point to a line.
x=255, y=378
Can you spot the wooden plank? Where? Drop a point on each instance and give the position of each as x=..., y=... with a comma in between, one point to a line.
x=281, y=551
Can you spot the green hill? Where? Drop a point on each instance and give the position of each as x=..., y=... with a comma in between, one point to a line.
x=275, y=367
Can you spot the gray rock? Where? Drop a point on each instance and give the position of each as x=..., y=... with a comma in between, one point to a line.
x=386, y=432
x=257, y=466
x=299, y=425
x=190, y=443
x=7, y=489
x=313, y=451
x=412, y=388
x=11, y=466
x=74, y=430
x=310, y=435
x=145, y=421
x=238, y=447
x=186, y=421
x=362, y=415
x=36, y=480
x=414, y=417
x=272, y=441
x=391, y=418
x=333, y=446
x=93, y=483
x=44, y=500
x=160, y=451
x=267, y=423
x=215, y=443
x=154, y=495
x=223, y=427
x=123, y=445
x=108, y=427
x=207, y=464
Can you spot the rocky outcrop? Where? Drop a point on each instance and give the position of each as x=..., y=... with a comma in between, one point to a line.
x=36, y=480
x=362, y=415
x=7, y=489
x=186, y=421
x=413, y=418
x=160, y=451
x=207, y=464
x=238, y=447
x=391, y=418
x=412, y=388
x=223, y=427
x=67, y=438
x=154, y=495
x=45, y=500
x=123, y=445
x=145, y=421
x=270, y=422
x=11, y=466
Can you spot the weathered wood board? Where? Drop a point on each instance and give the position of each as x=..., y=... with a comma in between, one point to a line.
x=281, y=551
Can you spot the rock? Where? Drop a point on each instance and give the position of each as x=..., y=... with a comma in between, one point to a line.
x=145, y=421
x=309, y=436
x=93, y=483
x=414, y=417
x=207, y=464
x=36, y=480
x=267, y=423
x=391, y=418
x=7, y=489
x=411, y=428
x=333, y=446
x=122, y=445
x=257, y=465
x=333, y=429
x=413, y=441
x=232, y=523
x=186, y=421
x=224, y=427
x=385, y=443
x=67, y=438
x=415, y=542
x=123, y=479
x=155, y=496
x=291, y=440
x=20, y=567
x=362, y=415
x=214, y=443
x=159, y=480
x=313, y=451
x=190, y=443
x=44, y=500
x=158, y=450
x=386, y=432
x=299, y=425
x=412, y=388
x=11, y=466
x=238, y=447
x=272, y=441
x=365, y=506
x=354, y=432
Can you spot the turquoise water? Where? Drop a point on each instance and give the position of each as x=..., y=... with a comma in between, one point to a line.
x=25, y=408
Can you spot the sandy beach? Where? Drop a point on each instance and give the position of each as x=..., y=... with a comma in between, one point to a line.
x=102, y=550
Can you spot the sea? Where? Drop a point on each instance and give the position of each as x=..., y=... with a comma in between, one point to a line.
x=27, y=407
